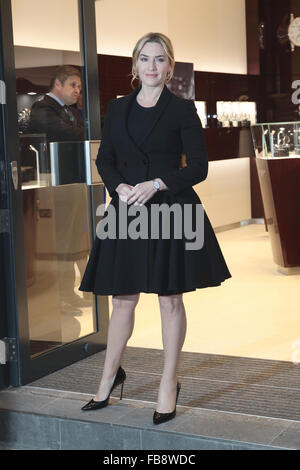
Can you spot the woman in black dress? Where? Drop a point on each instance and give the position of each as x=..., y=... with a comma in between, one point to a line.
x=144, y=136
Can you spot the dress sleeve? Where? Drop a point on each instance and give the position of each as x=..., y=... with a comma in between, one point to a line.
x=106, y=158
x=193, y=144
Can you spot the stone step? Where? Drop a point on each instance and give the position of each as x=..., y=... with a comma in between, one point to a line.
x=37, y=418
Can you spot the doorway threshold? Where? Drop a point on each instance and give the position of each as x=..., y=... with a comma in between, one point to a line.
x=225, y=403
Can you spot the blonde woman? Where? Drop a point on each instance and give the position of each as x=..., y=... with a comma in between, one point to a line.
x=144, y=135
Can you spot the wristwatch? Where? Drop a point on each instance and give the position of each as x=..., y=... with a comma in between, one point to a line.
x=156, y=185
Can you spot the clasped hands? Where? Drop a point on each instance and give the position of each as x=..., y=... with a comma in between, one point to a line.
x=138, y=194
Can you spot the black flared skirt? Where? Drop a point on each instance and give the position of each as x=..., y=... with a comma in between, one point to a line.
x=160, y=264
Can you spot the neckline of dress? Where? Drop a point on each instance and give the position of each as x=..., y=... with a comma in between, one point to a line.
x=162, y=94
x=146, y=107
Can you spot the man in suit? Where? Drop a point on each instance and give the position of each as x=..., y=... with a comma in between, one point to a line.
x=54, y=114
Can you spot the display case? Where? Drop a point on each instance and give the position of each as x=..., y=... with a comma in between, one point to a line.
x=202, y=113
x=46, y=163
x=274, y=140
x=278, y=165
x=35, y=165
x=236, y=113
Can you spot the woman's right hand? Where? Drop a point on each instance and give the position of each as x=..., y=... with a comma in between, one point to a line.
x=124, y=191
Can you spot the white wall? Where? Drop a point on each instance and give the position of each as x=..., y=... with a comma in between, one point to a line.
x=49, y=24
x=226, y=192
x=120, y=23
x=209, y=33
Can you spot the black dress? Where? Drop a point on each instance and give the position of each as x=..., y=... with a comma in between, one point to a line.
x=154, y=265
x=139, y=121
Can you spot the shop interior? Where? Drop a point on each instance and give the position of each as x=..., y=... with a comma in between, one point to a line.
x=226, y=68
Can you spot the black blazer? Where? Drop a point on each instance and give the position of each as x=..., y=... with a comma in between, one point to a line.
x=49, y=117
x=176, y=129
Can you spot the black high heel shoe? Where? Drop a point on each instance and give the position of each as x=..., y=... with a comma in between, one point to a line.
x=96, y=405
x=159, y=418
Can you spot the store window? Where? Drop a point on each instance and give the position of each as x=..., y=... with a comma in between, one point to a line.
x=56, y=203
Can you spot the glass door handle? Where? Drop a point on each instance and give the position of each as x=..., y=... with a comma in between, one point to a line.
x=14, y=174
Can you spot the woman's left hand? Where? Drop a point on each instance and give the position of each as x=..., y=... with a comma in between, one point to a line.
x=142, y=192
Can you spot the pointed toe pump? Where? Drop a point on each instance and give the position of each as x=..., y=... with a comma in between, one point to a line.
x=159, y=418
x=96, y=405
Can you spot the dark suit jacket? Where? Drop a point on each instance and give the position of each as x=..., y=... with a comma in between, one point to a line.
x=49, y=117
x=176, y=129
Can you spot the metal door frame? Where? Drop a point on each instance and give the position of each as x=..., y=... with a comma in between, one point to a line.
x=24, y=369
x=5, y=238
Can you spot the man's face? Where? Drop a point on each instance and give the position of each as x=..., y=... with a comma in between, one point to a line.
x=68, y=91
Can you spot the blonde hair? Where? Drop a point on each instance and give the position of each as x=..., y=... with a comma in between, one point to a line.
x=166, y=44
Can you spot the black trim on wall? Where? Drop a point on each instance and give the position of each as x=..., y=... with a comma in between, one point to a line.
x=253, y=37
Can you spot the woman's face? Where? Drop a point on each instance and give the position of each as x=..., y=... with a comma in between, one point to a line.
x=153, y=64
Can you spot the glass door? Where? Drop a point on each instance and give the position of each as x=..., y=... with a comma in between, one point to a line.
x=57, y=191
x=4, y=234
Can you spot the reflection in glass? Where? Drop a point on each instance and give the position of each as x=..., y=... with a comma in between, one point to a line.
x=56, y=198
x=57, y=243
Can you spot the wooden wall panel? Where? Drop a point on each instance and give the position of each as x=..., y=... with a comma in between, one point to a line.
x=252, y=31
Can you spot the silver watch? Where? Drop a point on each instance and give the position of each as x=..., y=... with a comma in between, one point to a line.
x=156, y=185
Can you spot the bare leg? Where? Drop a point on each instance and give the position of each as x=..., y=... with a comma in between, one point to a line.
x=173, y=318
x=119, y=331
